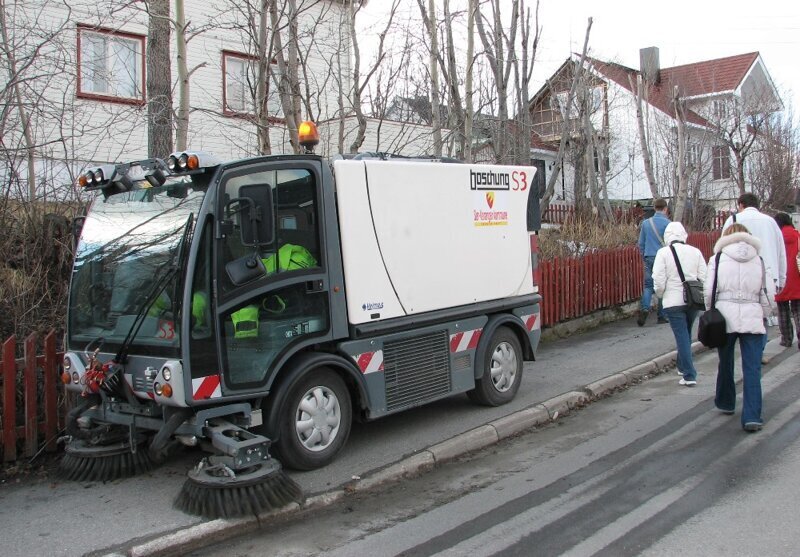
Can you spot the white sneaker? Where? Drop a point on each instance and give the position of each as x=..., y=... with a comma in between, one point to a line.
x=689, y=383
x=679, y=372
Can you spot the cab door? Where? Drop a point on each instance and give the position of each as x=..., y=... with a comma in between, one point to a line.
x=271, y=279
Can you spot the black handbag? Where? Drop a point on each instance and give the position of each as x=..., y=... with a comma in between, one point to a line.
x=692, y=289
x=711, y=329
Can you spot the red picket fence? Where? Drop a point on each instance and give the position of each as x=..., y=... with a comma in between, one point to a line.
x=560, y=213
x=37, y=377
x=575, y=286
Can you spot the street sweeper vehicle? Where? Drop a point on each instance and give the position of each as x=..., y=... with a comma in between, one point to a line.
x=255, y=308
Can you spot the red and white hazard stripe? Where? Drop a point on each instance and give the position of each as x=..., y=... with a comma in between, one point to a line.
x=467, y=340
x=204, y=388
x=532, y=322
x=369, y=362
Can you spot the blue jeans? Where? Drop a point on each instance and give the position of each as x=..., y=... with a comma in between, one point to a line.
x=752, y=348
x=649, y=290
x=681, y=319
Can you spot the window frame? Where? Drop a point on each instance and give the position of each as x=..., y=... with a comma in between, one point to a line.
x=226, y=110
x=105, y=97
x=720, y=162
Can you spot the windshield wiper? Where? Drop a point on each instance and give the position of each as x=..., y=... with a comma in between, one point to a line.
x=159, y=284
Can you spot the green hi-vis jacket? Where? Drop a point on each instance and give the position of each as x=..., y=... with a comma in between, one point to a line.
x=290, y=257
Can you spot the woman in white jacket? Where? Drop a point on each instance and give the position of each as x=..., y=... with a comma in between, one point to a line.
x=744, y=294
x=668, y=287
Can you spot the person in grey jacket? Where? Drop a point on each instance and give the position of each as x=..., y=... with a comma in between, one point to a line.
x=744, y=297
x=668, y=287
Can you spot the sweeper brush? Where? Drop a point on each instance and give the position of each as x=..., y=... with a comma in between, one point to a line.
x=83, y=462
x=213, y=490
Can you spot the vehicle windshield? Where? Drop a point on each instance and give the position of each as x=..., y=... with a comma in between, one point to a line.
x=128, y=268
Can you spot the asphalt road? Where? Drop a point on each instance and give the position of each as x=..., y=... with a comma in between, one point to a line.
x=49, y=517
x=654, y=470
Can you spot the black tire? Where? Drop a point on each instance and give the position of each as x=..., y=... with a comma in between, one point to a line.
x=502, y=370
x=314, y=421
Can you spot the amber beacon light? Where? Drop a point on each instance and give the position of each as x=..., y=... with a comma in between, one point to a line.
x=308, y=135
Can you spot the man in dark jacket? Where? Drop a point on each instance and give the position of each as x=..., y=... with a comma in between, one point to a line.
x=651, y=239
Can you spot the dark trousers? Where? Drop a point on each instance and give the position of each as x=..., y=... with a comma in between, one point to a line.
x=788, y=312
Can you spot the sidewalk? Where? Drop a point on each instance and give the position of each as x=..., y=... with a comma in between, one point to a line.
x=135, y=516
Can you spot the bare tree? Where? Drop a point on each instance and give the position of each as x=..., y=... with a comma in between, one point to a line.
x=159, y=80
x=641, y=93
x=500, y=61
x=566, y=123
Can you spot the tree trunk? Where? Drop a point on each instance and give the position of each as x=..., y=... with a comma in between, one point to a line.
x=472, y=7
x=159, y=81
x=182, y=117
x=680, y=166
x=646, y=159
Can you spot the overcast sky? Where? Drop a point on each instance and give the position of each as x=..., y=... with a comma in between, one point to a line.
x=685, y=31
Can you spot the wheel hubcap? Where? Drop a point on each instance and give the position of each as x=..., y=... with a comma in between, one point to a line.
x=318, y=419
x=504, y=367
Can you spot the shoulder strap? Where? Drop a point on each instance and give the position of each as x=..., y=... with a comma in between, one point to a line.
x=677, y=262
x=653, y=224
x=734, y=217
x=716, y=272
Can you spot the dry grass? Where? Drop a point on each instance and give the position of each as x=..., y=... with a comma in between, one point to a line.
x=577, y=237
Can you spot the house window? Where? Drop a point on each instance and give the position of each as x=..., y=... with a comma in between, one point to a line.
x=721, y=166
x=239, y=86
x=720, y=109
x=111, y=65
x=693, y=155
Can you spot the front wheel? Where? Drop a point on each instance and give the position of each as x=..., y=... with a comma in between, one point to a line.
x=314, y=422
x=502, y=370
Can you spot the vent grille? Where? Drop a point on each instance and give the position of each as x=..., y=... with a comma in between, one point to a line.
x=142, y=384
x=416, y=369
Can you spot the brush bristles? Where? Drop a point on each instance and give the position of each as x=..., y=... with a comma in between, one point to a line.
x=269, y=494
x=104, y=468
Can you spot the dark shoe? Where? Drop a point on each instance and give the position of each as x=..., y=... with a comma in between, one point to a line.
x=662, y=320
x=642, y=317
x=751, y=427
x=786, y=343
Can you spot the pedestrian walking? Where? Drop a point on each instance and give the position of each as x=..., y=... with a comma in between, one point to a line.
x=766, y=230
x=743, y=296
x=788, y=299
x=768, y=233
x=651, y=239
x=668, y=286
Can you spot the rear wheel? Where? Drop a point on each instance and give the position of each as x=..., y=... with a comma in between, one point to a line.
x=502, y=370
x=314, y=422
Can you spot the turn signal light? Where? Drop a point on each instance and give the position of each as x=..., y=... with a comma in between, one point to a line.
x=66, y=378
x=166, y=390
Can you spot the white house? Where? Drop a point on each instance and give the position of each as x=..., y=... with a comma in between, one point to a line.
x=711, y=90
x=82, y=65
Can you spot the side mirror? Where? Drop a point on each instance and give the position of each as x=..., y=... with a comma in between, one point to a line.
x=255, y=214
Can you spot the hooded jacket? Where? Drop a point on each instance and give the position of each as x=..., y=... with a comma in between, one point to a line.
x=740, y=284
x=666, y=279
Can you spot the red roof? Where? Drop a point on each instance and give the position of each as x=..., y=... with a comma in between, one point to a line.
x=701, y=78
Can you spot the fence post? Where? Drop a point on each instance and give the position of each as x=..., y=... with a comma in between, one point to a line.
x=31, y=413
x=9, y=399
x=50, y=391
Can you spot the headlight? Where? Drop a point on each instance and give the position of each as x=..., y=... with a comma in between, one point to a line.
x=166, y=373
x=67, y=364
x=158, y=389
